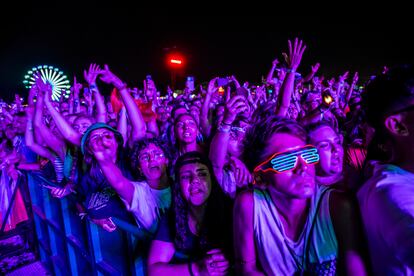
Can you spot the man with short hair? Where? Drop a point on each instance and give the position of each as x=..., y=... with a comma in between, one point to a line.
x=387, y=197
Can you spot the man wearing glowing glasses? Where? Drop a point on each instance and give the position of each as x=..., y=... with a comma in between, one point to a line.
x=290, y=225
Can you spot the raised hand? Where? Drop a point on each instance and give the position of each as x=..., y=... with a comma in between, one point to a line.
x=212, y=88
x=275, y=62
x=343, y=77
x=43, y=88
x=76, y=87
x=91, y=75
x=331, y=82
x=241, y=173
x=315, y=67
x=295, y=54
x=355, y=78
x=234, y=106
x=108, y=77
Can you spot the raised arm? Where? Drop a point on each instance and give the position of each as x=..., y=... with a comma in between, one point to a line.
x=205, y=109
x=139, y=127
x=269, y=78
x=314, y=69
x=30, y=142
x=123, y=124
x=293, y=61
x=75, y=96
x=54, y=143
x=63, y=126
x=219, y=143
x=351, y=89
x=113, y=174
x=90, y=77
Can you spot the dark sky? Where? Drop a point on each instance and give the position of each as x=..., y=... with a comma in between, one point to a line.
x=133, y=43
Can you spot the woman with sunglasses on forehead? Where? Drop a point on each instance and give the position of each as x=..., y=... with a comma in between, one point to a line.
x=290, y=225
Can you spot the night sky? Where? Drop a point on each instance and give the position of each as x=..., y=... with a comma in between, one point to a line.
x=134, y=44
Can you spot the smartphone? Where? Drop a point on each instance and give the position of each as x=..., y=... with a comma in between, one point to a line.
x=148, y=77
x=190, y=83
x=242, y=91
x=86, y=92
x=222, y=81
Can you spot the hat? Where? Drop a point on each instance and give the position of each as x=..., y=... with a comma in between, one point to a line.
x=87, y=133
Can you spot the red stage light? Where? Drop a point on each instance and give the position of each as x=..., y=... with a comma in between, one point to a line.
x=176, y=61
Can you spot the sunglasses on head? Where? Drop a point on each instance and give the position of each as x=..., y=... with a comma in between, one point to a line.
x=288, y=160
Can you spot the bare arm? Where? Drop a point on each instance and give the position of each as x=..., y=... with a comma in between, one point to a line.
x=245, y=251
x=351, y=88
x=269, y=78
x=204, y=116
x=123, y=124
x=90, y=77
x=293, y=60
x=160, y=254
x=349, y=232
x=139, y=127
x=113, y=174
x=312, y=73
x=40, y=150
x=219, y=143
x=57, y=145
x=64, y=127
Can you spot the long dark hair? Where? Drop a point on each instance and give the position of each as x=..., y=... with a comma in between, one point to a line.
x=217, y=226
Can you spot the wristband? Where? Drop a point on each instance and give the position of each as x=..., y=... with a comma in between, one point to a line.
x=226, y=124
x=92, y=86
x=221, y=128
x=290, y=71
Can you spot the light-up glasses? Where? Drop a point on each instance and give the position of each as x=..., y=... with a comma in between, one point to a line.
x=288, y=160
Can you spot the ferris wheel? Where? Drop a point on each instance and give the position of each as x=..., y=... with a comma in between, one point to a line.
x=52, y=75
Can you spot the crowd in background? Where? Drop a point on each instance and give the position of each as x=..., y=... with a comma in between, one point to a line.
x=299, y=173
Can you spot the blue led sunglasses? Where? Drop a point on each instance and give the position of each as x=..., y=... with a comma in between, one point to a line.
x=288, y=160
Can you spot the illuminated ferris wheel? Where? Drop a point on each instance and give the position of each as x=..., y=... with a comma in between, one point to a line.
x=52, y=75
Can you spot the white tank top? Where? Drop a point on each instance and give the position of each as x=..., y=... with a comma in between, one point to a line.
x=316, y=249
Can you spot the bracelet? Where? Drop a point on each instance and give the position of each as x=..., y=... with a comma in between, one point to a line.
x=290, y=71
x=92, y=86
x=222, y=129
x=226, y=124
x=190, y=269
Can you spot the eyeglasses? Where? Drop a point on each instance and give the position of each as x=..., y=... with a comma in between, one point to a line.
x=288, y=160
x=146, y=156
x=106, y=135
